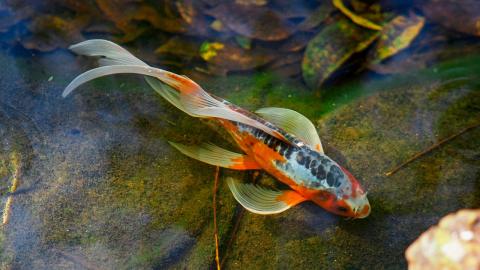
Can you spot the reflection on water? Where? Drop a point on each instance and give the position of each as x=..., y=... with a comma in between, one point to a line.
x=99, y=187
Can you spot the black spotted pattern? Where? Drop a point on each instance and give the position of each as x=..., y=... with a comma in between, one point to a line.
x=301, y=158
x=311, y=160
x=320, y=173
x=277, y=145
x=334, y=176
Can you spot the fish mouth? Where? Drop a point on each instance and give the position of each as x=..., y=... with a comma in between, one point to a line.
x=360, y=206
x=364, y=212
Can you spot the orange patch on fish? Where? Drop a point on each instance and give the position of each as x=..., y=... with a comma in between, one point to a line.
x=184, y=84
x=365, y=210
x=245, y=163
x=291, y=198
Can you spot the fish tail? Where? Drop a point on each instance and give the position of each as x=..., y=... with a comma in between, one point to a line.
x=179, y=90
x=116, y=60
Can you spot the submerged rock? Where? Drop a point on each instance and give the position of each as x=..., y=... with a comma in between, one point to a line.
x=453, y=244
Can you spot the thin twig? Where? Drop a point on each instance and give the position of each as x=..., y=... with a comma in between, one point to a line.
x=233, y=234
x=8, y=205
x=429, y=149
x=217, y=256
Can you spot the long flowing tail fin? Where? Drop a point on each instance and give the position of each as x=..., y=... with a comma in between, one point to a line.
x=179, y=90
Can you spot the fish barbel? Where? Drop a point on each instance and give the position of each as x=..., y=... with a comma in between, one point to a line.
x=280, y=141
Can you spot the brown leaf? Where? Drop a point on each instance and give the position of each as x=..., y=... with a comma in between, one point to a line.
x=288, y=65
x=192, y=13
x=319, y=15
x=187, y=10
x=180, y=46
x=288, y=59
x=50, y=32
x=461, y=16
x=251, y=2
x=230, y=57
x=296, y=42
x=291, y=70
x=123, y=12
x=254, y=22
x=102, y=27
x=293, y=9
x=151, y=15
x=11, y=15
x=117, y=11
x=77, y=6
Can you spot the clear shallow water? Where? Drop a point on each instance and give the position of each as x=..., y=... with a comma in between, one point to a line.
x=99, y=186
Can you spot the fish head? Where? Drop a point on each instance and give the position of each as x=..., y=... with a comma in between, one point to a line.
x=349, y=199
x=357, y=207
x=357, y=200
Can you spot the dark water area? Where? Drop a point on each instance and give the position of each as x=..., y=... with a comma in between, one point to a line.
x=90, y=181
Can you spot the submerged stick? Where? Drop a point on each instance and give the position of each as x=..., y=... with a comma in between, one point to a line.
x=233, y=235
x=8, y=205
x=429, y=149
x=217, y=256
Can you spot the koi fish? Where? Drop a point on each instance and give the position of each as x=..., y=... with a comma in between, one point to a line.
x=280, y=141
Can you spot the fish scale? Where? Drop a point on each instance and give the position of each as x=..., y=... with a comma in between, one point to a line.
x=325, y=174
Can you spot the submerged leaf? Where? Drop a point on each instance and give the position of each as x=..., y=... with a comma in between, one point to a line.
x=253, y=22
x=192, y=13
x=124, y=12
x=251, y=2
x=292, y=9
x=288, y=65
x=180, y=46
x=396, y=36
x=244, y=42
x=9, y=16
x=208, y=50
x=461, y=16
x=187, y=10
x=224, y=57
x=331, y=47
x=316, y=17
x=355, y=18
x=296, y=43
x=50, y=32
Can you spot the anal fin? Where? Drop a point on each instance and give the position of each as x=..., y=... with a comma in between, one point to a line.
x=261, y=200
x=217, y=156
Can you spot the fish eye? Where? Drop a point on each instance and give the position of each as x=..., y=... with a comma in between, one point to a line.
x=342, y=209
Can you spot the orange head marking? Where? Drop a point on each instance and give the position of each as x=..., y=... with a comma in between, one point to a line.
x=353, y=204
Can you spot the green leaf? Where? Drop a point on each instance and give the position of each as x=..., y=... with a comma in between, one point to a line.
x=331, y=47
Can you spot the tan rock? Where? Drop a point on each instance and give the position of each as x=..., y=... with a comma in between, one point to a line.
x=453, y=244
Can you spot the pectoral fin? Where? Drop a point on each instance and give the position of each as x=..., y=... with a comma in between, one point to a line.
x=294, y=123
x=217, y=156
x=261, y=200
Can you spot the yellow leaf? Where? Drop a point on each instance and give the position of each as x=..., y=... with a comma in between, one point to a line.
x=355, y=18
